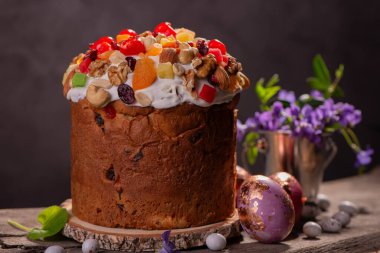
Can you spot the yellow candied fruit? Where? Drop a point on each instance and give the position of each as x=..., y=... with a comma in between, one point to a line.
x=168, y=42
x=185, y=35
x=165, y=70
x=79, y=60
x=122, y=37
x=155, y=49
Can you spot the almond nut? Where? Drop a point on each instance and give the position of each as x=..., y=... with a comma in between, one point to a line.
x=101, y=83
x=187, y=55
x=178, y=69
x=143, y=99
x=222, y=78
x=168, y=55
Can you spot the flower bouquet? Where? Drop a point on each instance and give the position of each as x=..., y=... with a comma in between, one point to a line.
x=298, y=130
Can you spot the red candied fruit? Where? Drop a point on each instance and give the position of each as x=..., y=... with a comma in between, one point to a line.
x=216, y=52
x=217, y=44
x=208, y=93
x=103, y=47
x=225, y=59
x=110, y=111
x=83, y=66
x=107, y=39
x=130, y=32
x=131, y=46
x=165, y=28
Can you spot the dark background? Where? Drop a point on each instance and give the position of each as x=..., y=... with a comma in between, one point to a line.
x=39, y=38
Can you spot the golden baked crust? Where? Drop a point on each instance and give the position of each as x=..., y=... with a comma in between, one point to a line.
x=153, y=168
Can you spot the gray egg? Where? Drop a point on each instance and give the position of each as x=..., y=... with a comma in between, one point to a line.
x=348, y=207
x=330, y=225
x=312, y=229
x=216, y=241
x=310, y=211
x=55, y=249
x=323, y=202
x=343, y=217
x=90, y=246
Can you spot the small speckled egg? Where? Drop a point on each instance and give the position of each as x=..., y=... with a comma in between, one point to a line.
x=55, y=249
x=312, y=229
x=343, y=217
x=265, y=210
x=293, y=188
x=310, y=210
x=348, y=207
x=330, y=225
x=323, y=202
x=90, y=246
x=216, y=241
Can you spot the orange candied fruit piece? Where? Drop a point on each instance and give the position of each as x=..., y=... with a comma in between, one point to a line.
x=156, y=49
x=122, y=37
x=106, y=55
x=185, y=35
x=144, y=74
x=168, y=42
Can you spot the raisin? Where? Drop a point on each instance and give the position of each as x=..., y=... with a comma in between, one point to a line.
x=92, y=54
x=110, y=174
x=138, y=156
x=202, y=47
x=131, y=62
x=120, y=206
x=126, y=93
x=99, y=120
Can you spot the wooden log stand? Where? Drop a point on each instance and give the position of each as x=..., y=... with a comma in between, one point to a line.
x=146, y=240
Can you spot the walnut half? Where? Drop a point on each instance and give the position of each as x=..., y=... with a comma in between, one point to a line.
x=98, y=67
x=118, y=75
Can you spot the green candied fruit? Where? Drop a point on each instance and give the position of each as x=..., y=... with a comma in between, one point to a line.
x=79, y=80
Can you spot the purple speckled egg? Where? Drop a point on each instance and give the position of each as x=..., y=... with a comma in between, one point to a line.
x=293, y=188
x=266, y=211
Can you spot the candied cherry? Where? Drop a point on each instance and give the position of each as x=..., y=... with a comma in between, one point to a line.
x=217, y=44
x=165, y=28
x=83, y=66
x=107, y=39
x=103, y=47
x=216, y=52
x=130, y=32
x=131, y=46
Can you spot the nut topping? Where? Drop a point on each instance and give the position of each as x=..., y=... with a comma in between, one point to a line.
x=188, y=81
x=187, y=55
x=101, y=83
x=143, y=99
x=233, y=66
x=98, y=97
x=98, y=67
x=117, y=57
x=168, y=55
x=207, y=67
x=178, y=69
x=118, y=75
x=222, y=78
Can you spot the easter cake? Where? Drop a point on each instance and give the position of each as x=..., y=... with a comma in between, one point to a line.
x=153, y=131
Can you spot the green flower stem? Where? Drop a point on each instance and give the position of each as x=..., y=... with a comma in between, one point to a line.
x=19, y=226
x=353, y=136
x=349, y=141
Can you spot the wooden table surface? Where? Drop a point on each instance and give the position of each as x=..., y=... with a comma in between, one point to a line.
x=362, y=234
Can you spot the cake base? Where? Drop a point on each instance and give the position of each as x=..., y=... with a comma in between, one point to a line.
x=146, y=240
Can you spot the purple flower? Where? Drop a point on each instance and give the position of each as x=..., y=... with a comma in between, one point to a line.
x=241, y=130
x=167, y=246
x=317, y=95
x=363, y=157
x=288, y=96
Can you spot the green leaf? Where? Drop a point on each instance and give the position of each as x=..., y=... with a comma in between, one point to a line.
x=339, y=72
x=252, y=155
x=250, y=143
x=320, y=69
x=270, y=92
x=338, y=92
x=315, y=83
x=260, y=90
x=52, y=219
x=274, y=80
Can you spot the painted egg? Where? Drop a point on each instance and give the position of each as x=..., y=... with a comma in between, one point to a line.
x=293, y=188
x=265, y=210
x=311, y=229
x=348, y=207
x=343, y=217
x=216, y=241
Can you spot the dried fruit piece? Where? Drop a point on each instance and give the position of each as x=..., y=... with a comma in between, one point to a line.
x=202, y=47
x=106, y=55
x=187, y=55
x=110, y=111
x=83, y=66
x=207, y=93
x=131, y=62
x=185, y=35
x=155, y=49
x=178, y=69
x=79, y=80
x=98, y=97
x=103, y=47
x=145, y=73
x=105, y=39
x=121, y=37
x=148, y=42
x=184, y=45
x=165, y=70
x=143, y=99
x=98, y=67
x=101, y=83
x=165, y=28
x=132, y=46
x=168, y=55
x=128, y=31
x=217, y=44
x=126, y=94
x=217, y=53
x=117, y=57
x=168, y=42
x=208, y=66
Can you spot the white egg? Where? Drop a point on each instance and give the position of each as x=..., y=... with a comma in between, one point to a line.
x=348, y=207
x=55, y=249
x=216, y=241
x=343, y=217
x=330, y=225
x=312, y=229
x=90, y=246
x=323, y=202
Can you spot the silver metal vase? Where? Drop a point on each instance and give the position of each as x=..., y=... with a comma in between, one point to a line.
x=297, y=156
